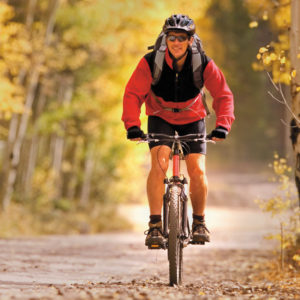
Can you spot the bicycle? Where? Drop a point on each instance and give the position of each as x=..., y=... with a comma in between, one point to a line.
x=176, y=229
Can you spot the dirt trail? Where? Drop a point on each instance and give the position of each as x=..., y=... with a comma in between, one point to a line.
x=118, y=266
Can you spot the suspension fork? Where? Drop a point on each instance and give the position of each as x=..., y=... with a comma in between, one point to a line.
x=184, y=200
x=184, y=193
x=166, y=208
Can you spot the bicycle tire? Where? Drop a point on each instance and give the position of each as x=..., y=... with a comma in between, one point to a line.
x=174, y=244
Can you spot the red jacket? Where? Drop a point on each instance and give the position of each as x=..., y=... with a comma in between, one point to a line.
x=139, y=86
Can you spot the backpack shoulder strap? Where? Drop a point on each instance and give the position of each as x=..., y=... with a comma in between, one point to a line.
x=160, y=50
x=197, y=65
x=197, y=62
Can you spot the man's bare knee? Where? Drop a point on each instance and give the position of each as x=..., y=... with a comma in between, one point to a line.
x=196, y=166
x=197, y=173
x=160, y=160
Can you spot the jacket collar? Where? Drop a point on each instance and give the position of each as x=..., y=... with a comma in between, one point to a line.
x=170, y=60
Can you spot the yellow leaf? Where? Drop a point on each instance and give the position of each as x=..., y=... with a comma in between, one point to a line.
x=283, y=60
x=298, y=89
x=265, y=16
x=273, y=56
x=201, y=293
x=267, y=60
x=296, y=257
x=253, y=24
x=263, y=50
x=293, y=73
x=258, y=56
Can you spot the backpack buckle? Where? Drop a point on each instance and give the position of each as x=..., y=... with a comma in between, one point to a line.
x=176, y=110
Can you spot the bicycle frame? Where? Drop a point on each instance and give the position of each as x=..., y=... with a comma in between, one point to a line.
x=175, y=178
x=175, y=220
x=176, y=160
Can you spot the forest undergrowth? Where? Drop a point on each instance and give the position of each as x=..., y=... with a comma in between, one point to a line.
x=284, y=206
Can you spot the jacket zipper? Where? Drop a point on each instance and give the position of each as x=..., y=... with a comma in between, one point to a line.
x=176, y=87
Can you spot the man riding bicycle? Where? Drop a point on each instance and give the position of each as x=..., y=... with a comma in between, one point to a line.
x=175, y=103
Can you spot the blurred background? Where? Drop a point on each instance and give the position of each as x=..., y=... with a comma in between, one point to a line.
x=65, y=164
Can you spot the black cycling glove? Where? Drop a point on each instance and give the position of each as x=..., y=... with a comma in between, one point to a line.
x=134, y=133
x=220, y=132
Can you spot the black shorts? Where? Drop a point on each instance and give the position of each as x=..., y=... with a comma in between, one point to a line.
x=158, y=125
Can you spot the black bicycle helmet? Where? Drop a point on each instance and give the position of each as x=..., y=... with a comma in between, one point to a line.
x=179, y=23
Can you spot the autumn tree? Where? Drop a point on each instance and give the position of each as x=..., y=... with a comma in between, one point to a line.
x=63, y=72
x=281, y=58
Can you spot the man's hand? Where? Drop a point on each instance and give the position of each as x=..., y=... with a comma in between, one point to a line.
x=218, y=134
x=135, y=133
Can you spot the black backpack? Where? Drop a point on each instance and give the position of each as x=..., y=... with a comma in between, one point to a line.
x=160, y=47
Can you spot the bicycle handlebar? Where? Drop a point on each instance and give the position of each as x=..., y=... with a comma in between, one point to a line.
x=194, y=137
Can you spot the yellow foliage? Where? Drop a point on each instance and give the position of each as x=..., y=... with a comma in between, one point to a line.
x=267, y=60
x=283, y=60
x=253, y=24
x=282, y=17
x=296, y=257
x=15, y=51
x=46, y=219
x=284, y=205
x=257, y=66
x=263, y=50
x=293, y=74
x=70, y=36
x=11, y=98
x=280, y=23
x=265, y=16
x=273, y=57
x=78, y=59
x=6, y=12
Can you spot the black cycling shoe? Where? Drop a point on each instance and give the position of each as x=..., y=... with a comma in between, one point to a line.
x=155, y=238
x=200, y=233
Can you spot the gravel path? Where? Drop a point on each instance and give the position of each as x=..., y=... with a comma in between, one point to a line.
x=118, y=266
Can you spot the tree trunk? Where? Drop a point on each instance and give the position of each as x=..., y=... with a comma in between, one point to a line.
x=16, y=149
x=33, y=148
x=14, y=122
x=86, y=185
x=65, y=94
x=11, y=172
x=295, y=84
x=73, y=181
x=30, y=13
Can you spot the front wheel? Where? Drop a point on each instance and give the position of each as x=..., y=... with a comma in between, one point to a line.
x=174, y=244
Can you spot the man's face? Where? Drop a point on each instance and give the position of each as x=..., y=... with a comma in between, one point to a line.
x=178, y=43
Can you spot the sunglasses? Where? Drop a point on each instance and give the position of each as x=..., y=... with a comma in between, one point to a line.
x=179, y=38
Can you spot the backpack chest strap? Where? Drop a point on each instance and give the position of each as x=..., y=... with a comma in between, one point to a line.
x=175, y=110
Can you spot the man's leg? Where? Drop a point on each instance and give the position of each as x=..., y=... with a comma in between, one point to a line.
x=155, y=191
x=195, y=163
x=198, y=192
x=155, y=183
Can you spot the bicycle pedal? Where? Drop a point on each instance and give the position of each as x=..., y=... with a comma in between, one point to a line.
x=155, y=247
x=197, y=243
